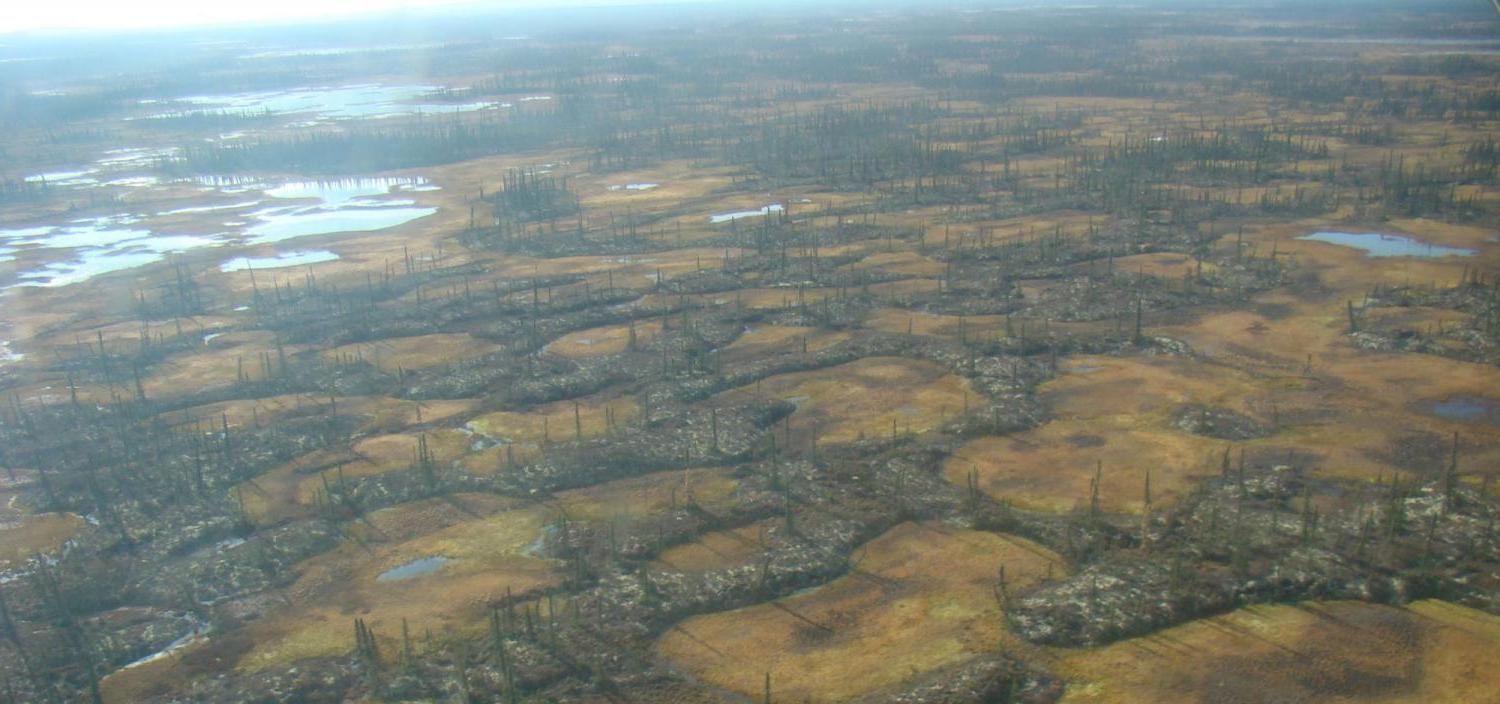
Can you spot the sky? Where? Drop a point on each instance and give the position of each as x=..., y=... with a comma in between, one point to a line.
x=30, y=15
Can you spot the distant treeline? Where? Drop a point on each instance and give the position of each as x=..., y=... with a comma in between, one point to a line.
x=365, y=149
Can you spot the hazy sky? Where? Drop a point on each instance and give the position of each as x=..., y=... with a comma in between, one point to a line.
x=134, y=14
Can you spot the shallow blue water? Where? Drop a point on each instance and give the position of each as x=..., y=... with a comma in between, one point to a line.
x=284, y=224
x=312, y=256
x=352, y=205
x=70, y=252
x=98, y=248
x=335, y=102
x=340, y=192
x=1381, y=245
x=726, y=217
x=1471, y=409
x=415, y=568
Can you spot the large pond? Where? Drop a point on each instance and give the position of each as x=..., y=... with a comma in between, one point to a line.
x=125, y=167
x=359, y=205
x=328, y=103
x=83, y=249
x=1381, y=245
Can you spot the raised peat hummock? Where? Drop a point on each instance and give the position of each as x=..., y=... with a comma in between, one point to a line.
x=711, y=354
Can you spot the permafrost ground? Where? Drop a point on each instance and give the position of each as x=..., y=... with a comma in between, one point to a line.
x=1035, y=355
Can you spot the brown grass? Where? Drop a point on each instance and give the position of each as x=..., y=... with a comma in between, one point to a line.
x=1327, y=652
x=531, y=431
x=921, y=598
x=769, y=340
x=649, y=495
x=718, y=549
x=419, y=352
x=216, y=365
x=1118, y=412
x=902, y=263
x=488, y=556
x=865, y=397
x=603, y=341
x=24, y=535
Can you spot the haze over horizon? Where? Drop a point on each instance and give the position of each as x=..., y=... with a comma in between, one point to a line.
x=96, y=15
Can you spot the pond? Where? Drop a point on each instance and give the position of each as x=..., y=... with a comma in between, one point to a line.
x=415, y=568
x=337, y=192
x=352, y=205
x=65, y=178
x=194, y=210
x=765, y=210
x=284, y=259
x=1381, y=245
x=284, y=224
x=126, y=158
x=91, y=248
x=1468, y=409
x=328, y=102
x=75, y=251
x=197, y=630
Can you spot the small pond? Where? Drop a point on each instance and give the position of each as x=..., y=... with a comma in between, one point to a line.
x=415, y=568
x=1381, y=245
x=726, y=217
x=311, y=256
x=1468, y=409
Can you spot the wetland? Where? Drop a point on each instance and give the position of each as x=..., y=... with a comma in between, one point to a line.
x=718, y=354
